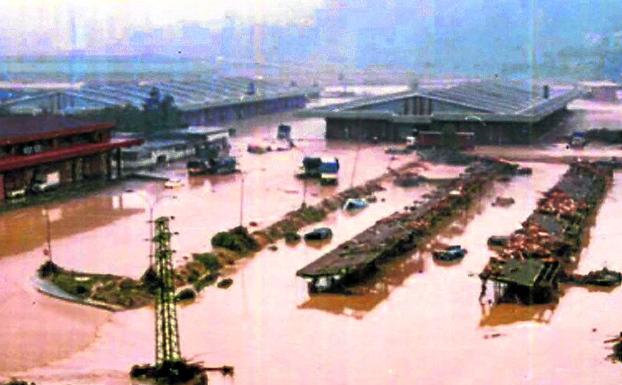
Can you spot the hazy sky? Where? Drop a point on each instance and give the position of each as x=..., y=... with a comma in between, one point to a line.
x=47, y=22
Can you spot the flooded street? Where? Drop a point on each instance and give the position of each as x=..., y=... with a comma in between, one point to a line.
x=418, y=321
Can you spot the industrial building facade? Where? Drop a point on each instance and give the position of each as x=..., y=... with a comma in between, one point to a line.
x=54, y=151
x=496, y=112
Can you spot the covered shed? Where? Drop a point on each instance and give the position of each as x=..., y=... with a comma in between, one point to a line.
x=497, y=112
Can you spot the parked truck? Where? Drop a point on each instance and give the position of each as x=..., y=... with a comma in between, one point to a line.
x=324, y=168
x=284, y=132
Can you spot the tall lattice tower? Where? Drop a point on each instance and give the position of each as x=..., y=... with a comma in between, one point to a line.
x=167, y=332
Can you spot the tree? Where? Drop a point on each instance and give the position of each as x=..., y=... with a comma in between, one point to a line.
x=152, y=103
x=158, y=113
x=171, y=117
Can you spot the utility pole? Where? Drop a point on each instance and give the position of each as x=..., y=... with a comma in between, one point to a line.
x=151, y=206
x=151, y=240
x=170, y=367
x=167, y=331
x=48, y=232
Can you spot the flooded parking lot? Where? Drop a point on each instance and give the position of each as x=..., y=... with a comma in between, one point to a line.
x=410, y=323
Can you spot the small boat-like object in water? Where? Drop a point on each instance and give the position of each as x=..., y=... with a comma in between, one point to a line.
x=449, y=254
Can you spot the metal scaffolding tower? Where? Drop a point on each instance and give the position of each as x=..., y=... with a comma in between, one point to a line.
x=167, y=332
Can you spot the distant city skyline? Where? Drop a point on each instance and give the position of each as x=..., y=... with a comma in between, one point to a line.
x=60, y=26
x=517, y=38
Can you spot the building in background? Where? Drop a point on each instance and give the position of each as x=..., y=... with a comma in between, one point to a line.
x=497, y=112
x=205, y=101
x=604, y=91
x=40, y=153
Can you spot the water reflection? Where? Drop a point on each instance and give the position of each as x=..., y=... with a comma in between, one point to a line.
x=364, y=297
x=24, y=230
x=506, y=314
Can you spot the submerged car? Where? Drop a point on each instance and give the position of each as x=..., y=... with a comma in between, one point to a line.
x=355, y=204
x=498, y=241
x=450, y=253
x=319, y=234
x=220, y=165
x=173, y=183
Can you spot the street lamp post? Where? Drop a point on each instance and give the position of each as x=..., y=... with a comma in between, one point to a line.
x=48, y=234
x=151, y=206
x=304, y=180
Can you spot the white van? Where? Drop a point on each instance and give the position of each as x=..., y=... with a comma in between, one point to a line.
x=46, y=182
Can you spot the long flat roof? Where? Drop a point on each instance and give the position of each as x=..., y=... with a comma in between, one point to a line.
x=22, y=129
x=529, y=272
x=490, y=100
x=13, y=162
x=188, y=94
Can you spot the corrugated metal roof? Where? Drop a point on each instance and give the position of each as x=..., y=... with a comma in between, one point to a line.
x=22, y=129
x=495, y=99
x=13, y=162
x=188, y=95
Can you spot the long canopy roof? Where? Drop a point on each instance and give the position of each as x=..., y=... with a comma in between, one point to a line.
x=488, y=97
x=22, y=129
x=188, y=94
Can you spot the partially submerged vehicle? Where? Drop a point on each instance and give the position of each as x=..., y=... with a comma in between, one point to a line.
x=46, y=182
x=355, y=204
x=329, y=168
x=498, y=241
x=221, y=165
x=325, y=168
x=524, y=171
x=449, y=254
x=319, y=234
x=284, y=132
x=173, y=183
x=577, y=140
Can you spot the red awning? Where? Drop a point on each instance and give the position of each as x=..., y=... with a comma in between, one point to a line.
x=20, y=161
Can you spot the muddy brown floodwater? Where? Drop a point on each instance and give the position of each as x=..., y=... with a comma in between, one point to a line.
x=417, y=322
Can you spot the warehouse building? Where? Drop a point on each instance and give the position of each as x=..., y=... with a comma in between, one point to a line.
x=209, y=101
x=37, y=153
x=497, y=112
